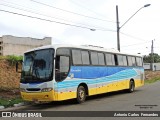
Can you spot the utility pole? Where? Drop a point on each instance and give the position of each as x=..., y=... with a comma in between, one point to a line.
x=152, y=56
x=118, y=28
x=118, y=40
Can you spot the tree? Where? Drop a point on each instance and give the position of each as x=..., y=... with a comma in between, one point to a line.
x=148, y=58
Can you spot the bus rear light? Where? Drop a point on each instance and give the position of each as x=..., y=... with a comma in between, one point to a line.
x=46, y=89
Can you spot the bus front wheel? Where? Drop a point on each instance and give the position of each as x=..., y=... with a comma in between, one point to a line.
x=81, y=94
x=131, y=86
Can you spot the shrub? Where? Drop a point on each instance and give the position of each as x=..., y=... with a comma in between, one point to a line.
x=12, y=59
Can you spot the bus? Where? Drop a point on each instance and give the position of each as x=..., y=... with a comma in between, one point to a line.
x=61, y=72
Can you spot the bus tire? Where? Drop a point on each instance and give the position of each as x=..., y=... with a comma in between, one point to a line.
x=81, y=94
x=131, y=86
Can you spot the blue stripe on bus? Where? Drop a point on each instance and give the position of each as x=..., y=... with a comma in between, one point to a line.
x=87, y=72
x=115, y=76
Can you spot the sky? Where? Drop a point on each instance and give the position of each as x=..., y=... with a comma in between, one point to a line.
x=85, y=22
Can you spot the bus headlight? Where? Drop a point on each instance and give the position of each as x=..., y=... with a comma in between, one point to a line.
x=46, y=89
x=22, y=90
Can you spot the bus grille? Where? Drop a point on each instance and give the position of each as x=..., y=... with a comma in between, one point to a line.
x=33, y=89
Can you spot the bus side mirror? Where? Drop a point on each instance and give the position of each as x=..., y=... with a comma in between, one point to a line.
x=19, y=66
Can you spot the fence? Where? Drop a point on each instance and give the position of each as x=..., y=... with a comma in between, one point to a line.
x=147, y=66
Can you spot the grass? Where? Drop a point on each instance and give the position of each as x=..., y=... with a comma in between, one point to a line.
x=9, y=102
x=152, y=80
x=2, y=57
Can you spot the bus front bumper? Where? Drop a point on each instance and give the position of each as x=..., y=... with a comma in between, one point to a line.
x=39, y=96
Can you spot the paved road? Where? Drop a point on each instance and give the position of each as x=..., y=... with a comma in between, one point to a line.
x=117, y=101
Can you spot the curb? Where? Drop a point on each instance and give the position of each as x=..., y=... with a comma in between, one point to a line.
x=15, y=105
x=2, y=107
x=19, y=104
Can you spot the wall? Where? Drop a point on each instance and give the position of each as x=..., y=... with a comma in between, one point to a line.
x=147, y=66
x=18, y=45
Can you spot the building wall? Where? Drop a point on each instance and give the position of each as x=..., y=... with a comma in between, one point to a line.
x=18, y=45
x=147, y=66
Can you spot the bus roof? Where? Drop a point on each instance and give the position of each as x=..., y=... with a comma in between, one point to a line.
x=87, y=47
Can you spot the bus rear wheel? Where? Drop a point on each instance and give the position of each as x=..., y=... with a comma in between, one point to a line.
x=81, y=94
x=131, y=86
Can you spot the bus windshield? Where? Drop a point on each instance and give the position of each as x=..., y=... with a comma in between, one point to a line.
x=38, y=66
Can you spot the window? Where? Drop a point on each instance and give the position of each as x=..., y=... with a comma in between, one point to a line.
x=129, y=60
x=62, y=67
x=94, y=58
x=113, y=60
x=133, y=61
x=38, y=64
x=63, y=51
x=85, y=57
x=139, y=61
x=64, y=64
x=125, y=60
x=110, y=59
x=120, y=60
x=76, y=57
x=101, y=59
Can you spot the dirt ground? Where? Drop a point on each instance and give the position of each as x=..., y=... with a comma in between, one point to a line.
x=9, y=79
x=151, y=74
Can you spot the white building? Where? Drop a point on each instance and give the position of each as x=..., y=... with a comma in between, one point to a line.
x=11, y=45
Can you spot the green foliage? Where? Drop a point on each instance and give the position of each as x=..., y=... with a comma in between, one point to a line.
x=10, y=102
x=2, y=57
x=148, y=58
x=12, y=59
x=152, y=80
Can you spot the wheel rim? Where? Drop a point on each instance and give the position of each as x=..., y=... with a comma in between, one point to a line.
x=132, y=86
x=81, y=94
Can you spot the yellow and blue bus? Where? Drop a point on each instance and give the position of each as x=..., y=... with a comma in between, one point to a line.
x=61, y=72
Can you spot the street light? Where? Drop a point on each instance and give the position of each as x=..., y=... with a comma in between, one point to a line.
x=118, y=28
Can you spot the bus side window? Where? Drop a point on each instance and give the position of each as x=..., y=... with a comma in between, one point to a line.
x=120, y=60
x=133, y=61
x=109, y=59
x=139, y=61
x=61, y=67
x=130, y=63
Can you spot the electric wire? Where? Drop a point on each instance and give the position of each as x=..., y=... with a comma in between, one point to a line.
x=48, y=16
x=90, y=10
x=71, y=12
x=135, y=44
x=131, y=36
x=92, y=29
x=31, y=11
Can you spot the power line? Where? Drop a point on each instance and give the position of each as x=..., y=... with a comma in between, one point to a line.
x=93, y=29
x=82, y=6
x=31, y=11
x=131, y=36
x=35, y=12
x=48, y=16
x=136, y=44
x=71, y=12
